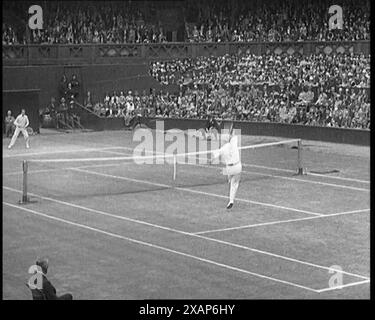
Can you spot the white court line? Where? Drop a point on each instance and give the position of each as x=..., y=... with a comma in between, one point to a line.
x=131, y=149
x=186, y=189
x=187, y=233
x=281, y=221
x=343, y=286
x=309, y=181
x=114, y=235
x=199, y=165
x=68, y=168
x=272, y=175
x=308, y=172
x=287, y=178
x=280, y=169
x=59, y=151
x=244, y=164
x=339, y=178
x=197, y=191
x=281, y=177
x=189, y=190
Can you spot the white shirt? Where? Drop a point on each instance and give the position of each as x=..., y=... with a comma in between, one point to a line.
x=229, y=152
x=22, y=121
x=130, y=106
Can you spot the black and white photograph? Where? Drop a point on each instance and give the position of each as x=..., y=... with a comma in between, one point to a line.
x=193, y=150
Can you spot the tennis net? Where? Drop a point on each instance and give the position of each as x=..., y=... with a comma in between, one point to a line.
x=85, y=176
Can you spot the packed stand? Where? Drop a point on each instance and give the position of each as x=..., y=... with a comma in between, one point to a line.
x=311, y=90
x=275, y=20
x=205, y=21
x=82, y=22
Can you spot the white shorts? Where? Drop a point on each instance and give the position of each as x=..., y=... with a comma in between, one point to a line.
x=233, y=170
x=22, y=130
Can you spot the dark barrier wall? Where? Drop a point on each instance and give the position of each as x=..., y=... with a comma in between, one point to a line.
x=16, y=100
x=91, y=121
x=295, y=131
x=44, y=78
x=337, y=135
x=96, y=79
x=136, y=53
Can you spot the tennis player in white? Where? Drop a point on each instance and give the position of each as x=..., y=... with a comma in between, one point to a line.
x=21, y=123
x=233, y=167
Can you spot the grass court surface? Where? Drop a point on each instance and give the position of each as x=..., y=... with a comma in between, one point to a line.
x=117, y=230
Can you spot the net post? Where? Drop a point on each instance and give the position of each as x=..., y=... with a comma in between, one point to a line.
x=174, y=166
x=25, y=198
x=300, y=168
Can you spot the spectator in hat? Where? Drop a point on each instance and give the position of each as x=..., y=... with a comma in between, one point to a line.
x=47, y=291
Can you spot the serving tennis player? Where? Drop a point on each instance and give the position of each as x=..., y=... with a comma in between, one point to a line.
x=233, y=167
x=21, y=123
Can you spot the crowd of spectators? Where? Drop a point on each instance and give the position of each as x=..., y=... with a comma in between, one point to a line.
x=9, y=35
x=314, y=90
x=82, y=22
x=205, y=21
x=273, y=20
x=64, y=112
x=337, y=69
x=332, y=109
x=310, y=90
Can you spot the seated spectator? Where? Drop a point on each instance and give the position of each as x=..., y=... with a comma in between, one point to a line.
x=121, y=100
x=88, y=101
x=306, y=97
x=47, y=290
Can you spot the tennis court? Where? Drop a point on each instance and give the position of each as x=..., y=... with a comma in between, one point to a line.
x=113, y=229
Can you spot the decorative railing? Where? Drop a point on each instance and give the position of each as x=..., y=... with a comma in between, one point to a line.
x=122, y=53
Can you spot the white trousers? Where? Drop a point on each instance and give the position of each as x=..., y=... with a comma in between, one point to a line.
x=234, y=177
x=15, y=136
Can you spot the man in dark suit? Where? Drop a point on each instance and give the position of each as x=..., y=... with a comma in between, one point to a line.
x=212, y=127
x=63, y=86
x=9, y=124
x=48, y=291
x=74, y=86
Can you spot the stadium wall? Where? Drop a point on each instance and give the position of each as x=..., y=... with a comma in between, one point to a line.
x=80, y=54
x=97, y=79
x=108, y=67
x=294, y=131
x=327, y=134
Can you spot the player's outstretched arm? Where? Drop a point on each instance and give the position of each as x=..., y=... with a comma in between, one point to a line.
x=215, y=154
